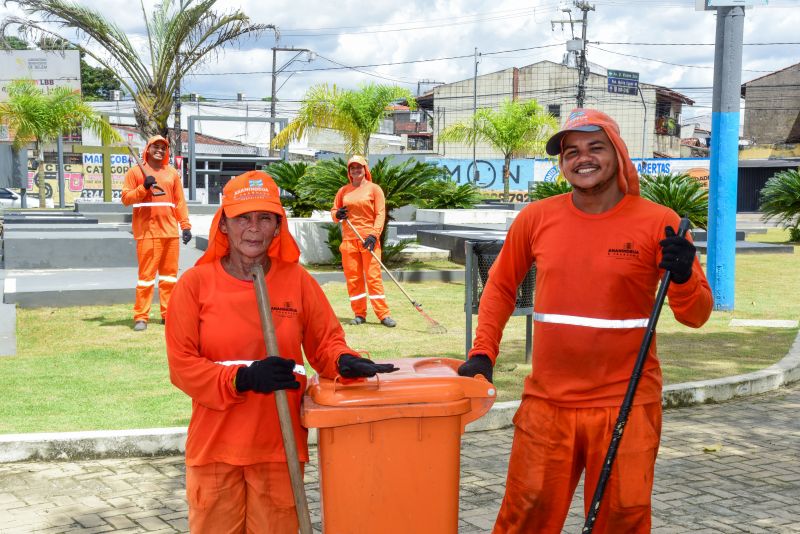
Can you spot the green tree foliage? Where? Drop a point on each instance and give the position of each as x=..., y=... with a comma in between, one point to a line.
x=289, y=176
x=180, y=35
x=40, y=118
x=541, y=190
x=97, y=82
x=680, y=192
x=356, y=114
x=780, y=200
x=516, y=129
x=444, y=193
x=9, y=42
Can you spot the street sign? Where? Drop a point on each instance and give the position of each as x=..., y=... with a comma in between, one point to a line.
x=622, y=82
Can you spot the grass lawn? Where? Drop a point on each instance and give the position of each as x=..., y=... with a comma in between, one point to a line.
x=84, y=368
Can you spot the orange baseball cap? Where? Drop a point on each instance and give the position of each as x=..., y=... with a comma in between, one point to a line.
x=251, y=191
x=591, y=120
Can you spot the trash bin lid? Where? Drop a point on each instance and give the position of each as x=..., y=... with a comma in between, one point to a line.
x=423, y=387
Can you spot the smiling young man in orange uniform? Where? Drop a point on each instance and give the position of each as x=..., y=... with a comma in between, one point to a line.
x=363, y=204
x=155, y=226
x=599, y=253
x=237, y=479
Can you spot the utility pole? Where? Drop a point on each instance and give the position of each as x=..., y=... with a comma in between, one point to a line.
x=583, y=66
x=275, y=50
x=475, y=173
x=176, y=136
x=724, y=155
x=581, y=63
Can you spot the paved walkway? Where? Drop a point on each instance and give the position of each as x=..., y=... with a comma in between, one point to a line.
x=723, y=468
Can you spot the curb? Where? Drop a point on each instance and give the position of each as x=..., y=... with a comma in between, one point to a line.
x=171, y=441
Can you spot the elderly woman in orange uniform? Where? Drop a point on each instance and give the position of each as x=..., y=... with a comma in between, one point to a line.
x=155, y=227
x=237, y=479
x=363, y=204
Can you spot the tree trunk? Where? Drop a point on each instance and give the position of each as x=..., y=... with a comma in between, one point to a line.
x=41, y=176
x=506, y=175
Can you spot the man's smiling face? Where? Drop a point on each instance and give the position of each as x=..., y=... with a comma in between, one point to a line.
x=589, y=161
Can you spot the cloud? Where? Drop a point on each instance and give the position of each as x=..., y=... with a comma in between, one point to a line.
x=358, y=33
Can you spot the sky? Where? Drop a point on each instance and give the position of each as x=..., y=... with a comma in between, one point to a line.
x=668, y=42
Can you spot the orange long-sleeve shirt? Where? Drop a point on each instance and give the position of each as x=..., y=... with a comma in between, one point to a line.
x=156, y=217
x=596, y=279
x=366, y=209
x=213, y=319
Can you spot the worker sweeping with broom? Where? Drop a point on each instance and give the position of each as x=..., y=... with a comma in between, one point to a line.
x=599, y=252
x=363, y=205
x=237, y=477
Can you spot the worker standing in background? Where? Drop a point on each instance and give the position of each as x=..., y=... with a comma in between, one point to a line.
x=363, y=204
x=155, y=226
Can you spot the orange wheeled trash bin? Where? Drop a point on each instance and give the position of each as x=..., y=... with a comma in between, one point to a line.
x=389, y=447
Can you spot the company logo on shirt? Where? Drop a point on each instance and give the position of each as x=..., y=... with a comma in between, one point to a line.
x=285, y=310
x=625, y=252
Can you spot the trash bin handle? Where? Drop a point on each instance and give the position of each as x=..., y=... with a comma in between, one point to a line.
x=358, y=380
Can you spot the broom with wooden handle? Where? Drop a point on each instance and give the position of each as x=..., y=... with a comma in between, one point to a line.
x=284, y=415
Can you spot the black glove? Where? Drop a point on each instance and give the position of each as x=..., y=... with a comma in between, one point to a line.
x=677, y=256
x=267, y=375
x=480, y=364
x=341, y=213
x=149, y=182
x=369, y=242
x=354, y=367
x=186, y=236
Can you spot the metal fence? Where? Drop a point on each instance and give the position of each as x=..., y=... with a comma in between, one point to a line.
x=480, y=256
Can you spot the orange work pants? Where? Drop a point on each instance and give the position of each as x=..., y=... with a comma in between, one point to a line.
x=155, y=255
x=358, y=264
x=552, y=447
x=235, y=499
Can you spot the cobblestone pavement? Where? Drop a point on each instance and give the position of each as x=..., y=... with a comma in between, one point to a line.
x=726, y=468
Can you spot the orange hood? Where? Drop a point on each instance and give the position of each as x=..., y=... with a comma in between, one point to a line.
x=361, y=161
x=152, y=140
x=587, y=120
x=251, y=191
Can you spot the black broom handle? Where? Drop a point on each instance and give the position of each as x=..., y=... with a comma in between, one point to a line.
x=627, y=403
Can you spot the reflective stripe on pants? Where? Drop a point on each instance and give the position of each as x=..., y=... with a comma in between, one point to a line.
x=155, y=255
x=358, y=264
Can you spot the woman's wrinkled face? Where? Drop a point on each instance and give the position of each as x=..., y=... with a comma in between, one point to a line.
x=250, y=234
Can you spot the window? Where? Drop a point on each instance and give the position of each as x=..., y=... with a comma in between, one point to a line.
x=554, y=110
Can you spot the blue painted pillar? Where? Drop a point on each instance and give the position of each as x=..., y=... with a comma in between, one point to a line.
x=721, y=264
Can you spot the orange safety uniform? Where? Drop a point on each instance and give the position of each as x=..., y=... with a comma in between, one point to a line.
x=366, y=211
x=237, y=477
x=596, y=279
x=155, y=229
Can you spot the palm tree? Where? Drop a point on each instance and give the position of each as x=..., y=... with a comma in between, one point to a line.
x=680, y=192
x=356, y=114
x=516, y=129
x=36, y=117
x=780, y=200
x=180, y=35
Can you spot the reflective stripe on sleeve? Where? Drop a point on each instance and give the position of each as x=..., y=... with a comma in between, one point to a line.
x=152, y=204
x=590, y=322
x=298, y=369
x=358, y=297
